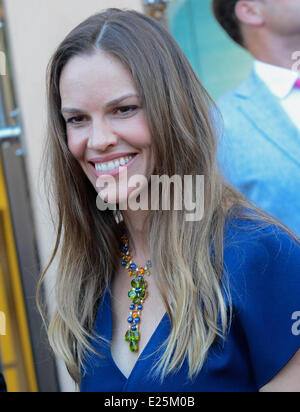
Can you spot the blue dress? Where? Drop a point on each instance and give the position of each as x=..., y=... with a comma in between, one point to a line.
x=263, y=268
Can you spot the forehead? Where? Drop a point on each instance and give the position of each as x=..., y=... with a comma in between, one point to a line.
x=98, y=76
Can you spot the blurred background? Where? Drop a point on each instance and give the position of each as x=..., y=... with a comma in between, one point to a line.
x=29, y=33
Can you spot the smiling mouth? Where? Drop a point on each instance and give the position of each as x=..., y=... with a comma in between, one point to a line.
x=113, y=165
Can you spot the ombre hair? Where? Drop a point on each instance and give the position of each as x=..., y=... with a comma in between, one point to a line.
x=181, y=117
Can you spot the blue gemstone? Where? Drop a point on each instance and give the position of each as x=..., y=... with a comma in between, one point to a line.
x=138, y=290
x=130, y=319
x=140, y=307
x=140, y=277
x=131, y=307
x=125, y=248
x=137, y=320
x=133, y=327
x=133, y=266
x=124, y=263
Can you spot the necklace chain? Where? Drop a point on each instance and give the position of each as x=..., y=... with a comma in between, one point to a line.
x=138, y=294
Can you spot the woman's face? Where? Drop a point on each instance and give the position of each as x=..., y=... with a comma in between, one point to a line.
x=105, y=123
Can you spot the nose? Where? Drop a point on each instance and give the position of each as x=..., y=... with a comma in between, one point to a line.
x=101, y=136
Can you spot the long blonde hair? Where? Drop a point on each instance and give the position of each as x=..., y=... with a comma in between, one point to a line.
x=180, y=115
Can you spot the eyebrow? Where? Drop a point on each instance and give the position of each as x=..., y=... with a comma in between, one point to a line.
x=109, y=104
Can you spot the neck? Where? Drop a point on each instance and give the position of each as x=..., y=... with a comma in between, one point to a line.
x=138, y=231
x=273, y=49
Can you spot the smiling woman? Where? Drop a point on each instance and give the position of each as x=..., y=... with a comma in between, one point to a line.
x=100, y=86
x=123, y=97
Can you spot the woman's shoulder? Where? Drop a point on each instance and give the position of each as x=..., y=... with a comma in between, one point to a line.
x=251, y=230
x=260, y=247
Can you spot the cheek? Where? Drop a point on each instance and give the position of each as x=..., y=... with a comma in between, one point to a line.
x=140, y=134
x=76, y=145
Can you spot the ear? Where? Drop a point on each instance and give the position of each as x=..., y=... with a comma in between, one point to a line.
x=249, y=12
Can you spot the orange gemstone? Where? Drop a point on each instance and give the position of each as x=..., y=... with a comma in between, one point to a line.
x=128, y=258
x=135, y=315
x=141, y=270
x=130, y=273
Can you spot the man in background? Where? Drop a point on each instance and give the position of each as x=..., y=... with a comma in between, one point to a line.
x=260, y=147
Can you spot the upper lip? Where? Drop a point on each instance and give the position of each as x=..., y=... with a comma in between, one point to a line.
x=107, y=158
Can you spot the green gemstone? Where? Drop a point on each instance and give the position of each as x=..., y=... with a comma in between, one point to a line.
x=127, y=266
x=135, y=336
x=135, y=283
x=133, y=346
x=136, y=300
x=142, y=293
x=132, y=294
x=128, y=336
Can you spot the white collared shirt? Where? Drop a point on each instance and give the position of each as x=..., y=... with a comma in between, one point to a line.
x=280, y=82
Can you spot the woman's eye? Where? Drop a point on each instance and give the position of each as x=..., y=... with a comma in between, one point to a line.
x=123, y=110
x=75, y=119
x=126, y=109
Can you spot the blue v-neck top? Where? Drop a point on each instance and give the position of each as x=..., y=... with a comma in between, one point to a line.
x=263, y=269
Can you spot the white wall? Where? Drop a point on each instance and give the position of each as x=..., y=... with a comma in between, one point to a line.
x=35, y=28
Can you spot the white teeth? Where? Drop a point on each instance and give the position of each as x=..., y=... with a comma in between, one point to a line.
x=111, y=166
x=108, y=166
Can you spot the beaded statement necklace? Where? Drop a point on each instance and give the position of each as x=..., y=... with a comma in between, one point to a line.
x=138, y=294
